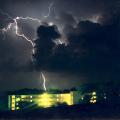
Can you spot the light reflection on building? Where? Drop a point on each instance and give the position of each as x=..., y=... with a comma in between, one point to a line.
x=41, y=100
x=46, y=99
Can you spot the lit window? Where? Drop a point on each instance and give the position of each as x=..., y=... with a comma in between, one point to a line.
x=67, y=98
x=13, y=108
x=13, y=105
x=94, y=97
x=82, y=98
x=23, y=96
x=94, y=101
x=93, y=93
x=17, y=99
x=105, y=97
x=91, y=101
x=45, y=100
x=17, y=108
x=16, y=103
x=13, y=96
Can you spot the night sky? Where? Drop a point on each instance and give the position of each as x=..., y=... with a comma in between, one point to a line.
x=90, y=51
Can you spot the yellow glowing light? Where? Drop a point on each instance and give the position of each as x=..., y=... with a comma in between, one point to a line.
x=17, y=108
x=13, y=105
x=23, y=96
x=13, y=108
x=93, y=93
x=13, y=96
x=17, y=99
x=67, y=98
x=45, y=100
x=94, y=97
x=93, y=101
x=13, y=102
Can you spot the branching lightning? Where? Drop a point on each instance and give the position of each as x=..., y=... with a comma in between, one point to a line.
x=15, y=20
x=14, y=25
x=44, y=81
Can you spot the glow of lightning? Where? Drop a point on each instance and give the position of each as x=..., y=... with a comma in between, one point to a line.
x=44, y=81
x=15, y=25
x=49, y=9
x=95, y=18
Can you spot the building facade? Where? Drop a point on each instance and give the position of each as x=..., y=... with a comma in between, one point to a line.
x=44, y=100
x=17, y=102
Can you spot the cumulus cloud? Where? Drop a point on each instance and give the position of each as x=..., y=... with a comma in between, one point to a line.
x=44, y=45
x=93, y=49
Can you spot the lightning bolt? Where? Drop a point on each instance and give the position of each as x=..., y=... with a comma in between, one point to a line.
x=44, y=81
x=14, y=25
x=49, y=9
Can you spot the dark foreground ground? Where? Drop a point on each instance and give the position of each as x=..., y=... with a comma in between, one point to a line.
x=82, y=112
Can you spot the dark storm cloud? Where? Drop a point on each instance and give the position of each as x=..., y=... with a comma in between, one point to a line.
x=45, y=44
x=66, y=18
x=93, y=49
x=87, y=8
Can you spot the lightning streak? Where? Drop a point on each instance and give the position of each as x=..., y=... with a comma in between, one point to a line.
x=49, y=9
x=14, y=25
x=44, y=81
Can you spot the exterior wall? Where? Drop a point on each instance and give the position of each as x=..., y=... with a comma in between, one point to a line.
x=41, y=100
x=76, y=97
x=48, y=100
x=79, y=98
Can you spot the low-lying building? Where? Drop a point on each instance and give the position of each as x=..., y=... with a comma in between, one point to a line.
x=47, y=99
x=16, y=102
